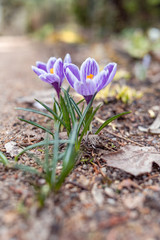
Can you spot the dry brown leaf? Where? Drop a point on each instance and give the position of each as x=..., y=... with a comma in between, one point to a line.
x=133, y=159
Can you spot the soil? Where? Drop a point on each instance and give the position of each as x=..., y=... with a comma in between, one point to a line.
x=96, y=201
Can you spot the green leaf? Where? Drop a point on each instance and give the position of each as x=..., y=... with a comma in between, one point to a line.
x=36, y=125
x=69, y=105
x=76, y=107
x=87, y=124
x=69, y=158
x=52, y=112
x=35, y=111
x=110, y=120
x=55, y=155
x=39, y=144
x=65, y=112
x=82, y=100
x=3, y=159
x=84, y=114
x=25, y=168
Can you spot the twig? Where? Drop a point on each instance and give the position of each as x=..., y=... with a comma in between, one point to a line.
x=126, y=139
x=77, y=185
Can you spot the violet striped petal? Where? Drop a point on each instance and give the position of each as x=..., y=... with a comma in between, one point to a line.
x=101, y=80
x=41, y=65
x=50, y=64
x=58, y=69
x=70, y=76
x=88, y=67
x=86, y=89
x=112, y=68
x=74, y=69
x=38, y=71
x=67, y=58
x=50, y=78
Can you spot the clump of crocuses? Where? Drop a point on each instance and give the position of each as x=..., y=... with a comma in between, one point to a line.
x=67, y=114
x=53, y=71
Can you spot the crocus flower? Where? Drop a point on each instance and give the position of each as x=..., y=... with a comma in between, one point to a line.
x=52, y=72
x=88, y=80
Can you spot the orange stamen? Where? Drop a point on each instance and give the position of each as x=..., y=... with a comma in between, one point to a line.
x=90, y=76
x=51, y=70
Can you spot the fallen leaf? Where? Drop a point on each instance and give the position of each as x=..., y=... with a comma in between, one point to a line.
x=133, y=159
x=154, y=128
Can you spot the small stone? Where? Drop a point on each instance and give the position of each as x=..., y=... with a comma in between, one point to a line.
x=111, y=201
x=103, y=169
x=109, y=192
x=85, y=167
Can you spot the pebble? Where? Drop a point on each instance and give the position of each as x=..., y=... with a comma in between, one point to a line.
x=109, y=192
x=133, y=214
x=111, y=201
x=103, y=169
x=85, y=167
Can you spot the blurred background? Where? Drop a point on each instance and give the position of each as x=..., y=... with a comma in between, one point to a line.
x=126, y=32
x=101, y=17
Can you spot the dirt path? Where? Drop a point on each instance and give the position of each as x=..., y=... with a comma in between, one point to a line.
x=87, y=206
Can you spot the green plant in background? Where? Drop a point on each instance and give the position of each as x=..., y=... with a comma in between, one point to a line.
x=124, y=93
x=139, y=43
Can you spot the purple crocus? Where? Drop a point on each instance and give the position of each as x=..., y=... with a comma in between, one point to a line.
x=88, y=80
x=52, y=72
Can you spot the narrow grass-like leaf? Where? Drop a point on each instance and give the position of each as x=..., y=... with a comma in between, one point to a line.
x=84, y=114
x=26, y=168
x=46, y=155
x=52, y=112
x=70, y=146
x=110, y=120
x=82, y=100
x=55, y=155
x=69, y=158
x=35, y=111
x=36, y=125
x=65, y=112
x=69, y=106
x=87, y=124
x=39, y=144
x=78, y=111
x=3, y=159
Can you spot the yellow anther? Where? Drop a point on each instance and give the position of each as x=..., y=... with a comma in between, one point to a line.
x=51, y=70
x=90, y=76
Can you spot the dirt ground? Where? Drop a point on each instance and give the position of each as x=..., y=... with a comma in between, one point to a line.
x=96, y=201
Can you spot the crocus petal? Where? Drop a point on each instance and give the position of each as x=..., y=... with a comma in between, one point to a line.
x=50, y=63
x=58, y=69
x=67, y=58
x=38, y=71
x=50, y=78
x=112, y=68
x=86, y=89
x=101, y=80
x=74, y=69
x=89, y=66
x=70, y=76
x=41, y=65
